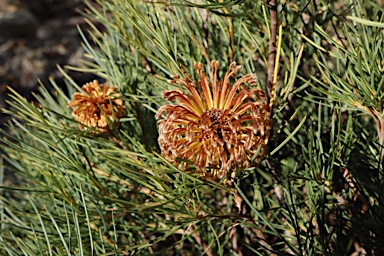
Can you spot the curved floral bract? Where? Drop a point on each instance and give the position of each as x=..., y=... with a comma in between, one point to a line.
x=215, y=126
x=95, y=105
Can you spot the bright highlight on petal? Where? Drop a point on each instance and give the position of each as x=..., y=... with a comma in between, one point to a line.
x=216, y=127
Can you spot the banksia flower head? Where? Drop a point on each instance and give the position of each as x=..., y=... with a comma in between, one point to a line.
x=98, y=103
x=218, y=128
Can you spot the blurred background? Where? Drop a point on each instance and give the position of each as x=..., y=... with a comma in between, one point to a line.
x=35, y=37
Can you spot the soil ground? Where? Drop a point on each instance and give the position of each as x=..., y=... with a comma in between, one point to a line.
x=35, y=37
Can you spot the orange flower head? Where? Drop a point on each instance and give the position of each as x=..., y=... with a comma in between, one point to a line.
x=217, y=127
x=94, y=106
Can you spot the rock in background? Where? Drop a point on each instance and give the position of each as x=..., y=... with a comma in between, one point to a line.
x=35, y=37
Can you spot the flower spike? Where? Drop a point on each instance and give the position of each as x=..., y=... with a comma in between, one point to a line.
x=95, y=105
x=220, y=131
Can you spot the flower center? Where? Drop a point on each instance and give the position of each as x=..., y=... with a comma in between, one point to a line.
x=214, y=115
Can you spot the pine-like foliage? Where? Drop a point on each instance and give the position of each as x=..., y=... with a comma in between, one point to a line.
x=69, y=188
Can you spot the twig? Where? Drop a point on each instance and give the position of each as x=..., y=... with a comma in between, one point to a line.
x=272, y=50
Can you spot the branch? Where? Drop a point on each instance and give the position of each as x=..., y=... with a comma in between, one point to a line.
x=272, y=51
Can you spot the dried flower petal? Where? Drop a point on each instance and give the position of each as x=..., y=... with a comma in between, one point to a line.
x=217, y=127
x=97, y=103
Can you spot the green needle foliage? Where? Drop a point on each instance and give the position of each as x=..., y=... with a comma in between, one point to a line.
x=319, y=190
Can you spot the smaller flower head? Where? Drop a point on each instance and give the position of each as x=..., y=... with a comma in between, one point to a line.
x=95, y=105
x=218, y=127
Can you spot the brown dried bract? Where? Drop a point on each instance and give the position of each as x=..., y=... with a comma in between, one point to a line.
x=217, y=127
x=95, y=105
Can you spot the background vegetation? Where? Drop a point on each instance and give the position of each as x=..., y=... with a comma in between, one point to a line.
x=319, y=190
